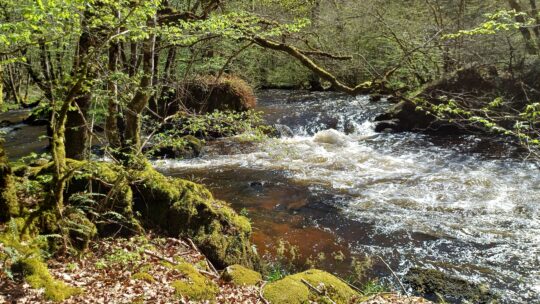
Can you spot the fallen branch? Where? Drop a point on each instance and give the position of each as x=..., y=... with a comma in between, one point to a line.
x=210, y=265
x=173, y=262
x=317, y=290
x=261, y=296
x=395, y=275
x=363, y=88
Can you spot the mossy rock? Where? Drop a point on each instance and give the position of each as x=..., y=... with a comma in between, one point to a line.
x=287, y=291
x=37, y=275
x=240, y=275
x=292, y=290
x=187, y=146
x=194, y=286
x=207, y=94
x=176, y=206
x=183, y=208
x=433, y=284
x=112, y=183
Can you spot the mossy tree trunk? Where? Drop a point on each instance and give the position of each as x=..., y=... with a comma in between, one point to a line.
x=1, y=85
x=131, y=145
x=8, y=197
x=77, y=130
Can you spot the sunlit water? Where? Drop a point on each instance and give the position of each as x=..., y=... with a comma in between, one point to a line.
x=466, y=206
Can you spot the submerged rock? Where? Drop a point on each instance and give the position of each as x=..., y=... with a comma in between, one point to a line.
x=434, y=284
x=331, y=136
x=282, y=131
x=185, y=147
x=294, y=290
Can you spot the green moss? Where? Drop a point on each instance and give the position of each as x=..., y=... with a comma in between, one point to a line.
x=432, y=283
x=240, y=275
x=187, y=209
x=9, y=205
x=80, y=229
x=114, y=183
x=287, y=291
x=195, y=286
x=37, y=275
x=291, y=289
x=143, y=276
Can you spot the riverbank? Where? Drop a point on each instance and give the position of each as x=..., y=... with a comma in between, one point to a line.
x=152, y=269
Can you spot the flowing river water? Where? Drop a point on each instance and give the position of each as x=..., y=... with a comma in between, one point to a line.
x=463, y=205
x=467, y=206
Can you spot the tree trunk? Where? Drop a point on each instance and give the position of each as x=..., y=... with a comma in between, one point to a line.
x=530, y=43
x=8, y=197
x=111, y=125
x=132, y=137
x=1, y=85
x=77, y=131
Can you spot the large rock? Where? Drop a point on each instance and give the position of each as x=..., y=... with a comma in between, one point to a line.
x=206, y=95
x=434, y=284
x=146, y=198
x=294, y=290
x=240, y=275
x=404, y=116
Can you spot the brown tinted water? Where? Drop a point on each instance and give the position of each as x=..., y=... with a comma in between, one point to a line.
x=465, y=205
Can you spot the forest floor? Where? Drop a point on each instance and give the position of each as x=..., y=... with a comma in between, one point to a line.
x=141, y=270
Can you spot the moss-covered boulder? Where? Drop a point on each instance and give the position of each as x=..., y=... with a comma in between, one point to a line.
x=293, y=290
x=184, y=147
x=433, y=284
x=104, y=188
x=194, y=285
x=124, y=200
x=240, y=275
x=183, y=208
x=207, y=94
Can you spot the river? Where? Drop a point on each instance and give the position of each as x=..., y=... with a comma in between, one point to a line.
x=464, y=205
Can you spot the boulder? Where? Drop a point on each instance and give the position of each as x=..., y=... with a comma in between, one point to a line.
x=206, y=95
x=294, y=290
x=434, y=284
x=240, y=275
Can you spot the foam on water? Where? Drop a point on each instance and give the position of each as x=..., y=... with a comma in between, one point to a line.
x=481, y=215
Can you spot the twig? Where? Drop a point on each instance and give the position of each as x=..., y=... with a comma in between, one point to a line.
x=150, y=253
x=351, y=285
x=207, y=260
x=317, y=290
x=395, y=275
x=261, y=296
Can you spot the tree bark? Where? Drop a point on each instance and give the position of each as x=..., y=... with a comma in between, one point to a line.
x=8, y=198
x=132, y=137
x=530, y=43
x=77, y=131
x=363, y=88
